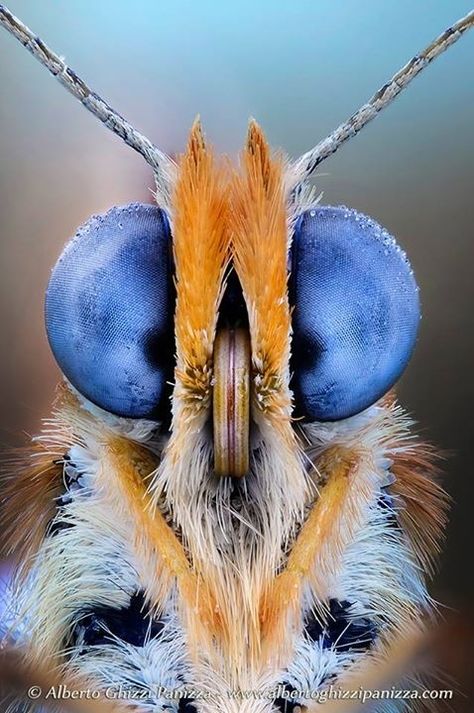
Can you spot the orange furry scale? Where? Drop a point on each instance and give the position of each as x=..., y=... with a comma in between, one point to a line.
x=425, y=504
x=31, y=479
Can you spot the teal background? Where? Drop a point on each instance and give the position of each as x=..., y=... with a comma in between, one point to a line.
x=299, y=68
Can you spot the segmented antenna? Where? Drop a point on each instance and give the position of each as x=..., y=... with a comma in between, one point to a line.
x=162, y=165
x=303, y=167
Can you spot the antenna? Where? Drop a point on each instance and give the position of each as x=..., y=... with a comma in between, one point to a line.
x=303, y=167
x=162, y=165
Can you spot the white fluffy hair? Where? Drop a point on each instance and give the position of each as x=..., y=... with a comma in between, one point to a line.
x=240, y=542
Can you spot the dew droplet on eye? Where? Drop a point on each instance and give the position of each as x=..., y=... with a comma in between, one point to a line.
x=312, y=213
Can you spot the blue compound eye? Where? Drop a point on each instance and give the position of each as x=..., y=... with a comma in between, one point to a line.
x=109, y=310
x=356, y=313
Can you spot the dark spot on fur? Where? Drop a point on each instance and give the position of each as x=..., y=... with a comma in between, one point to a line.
x=72, y=477
x=342, y=629
x=57, y=526
x=103, y=625
x=386, y=502
x=286, y=705
x=186, y=705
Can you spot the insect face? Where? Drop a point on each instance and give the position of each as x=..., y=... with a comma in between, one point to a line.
x=238, y=328
x=111, y=300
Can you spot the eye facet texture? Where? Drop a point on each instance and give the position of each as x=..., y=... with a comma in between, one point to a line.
x=109, y=310
x=356, y=313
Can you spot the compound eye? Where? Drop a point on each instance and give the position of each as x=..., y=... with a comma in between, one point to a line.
x=356, y=313
x=109, y=310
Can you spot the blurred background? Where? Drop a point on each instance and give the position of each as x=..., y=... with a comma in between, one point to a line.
x=299, y=68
